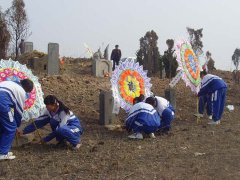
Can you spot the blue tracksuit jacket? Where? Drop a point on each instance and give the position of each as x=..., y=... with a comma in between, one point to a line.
x=143, y=118
x=210, y=83
x=12, y=98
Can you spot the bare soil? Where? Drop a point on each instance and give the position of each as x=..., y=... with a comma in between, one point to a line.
x=189, y=151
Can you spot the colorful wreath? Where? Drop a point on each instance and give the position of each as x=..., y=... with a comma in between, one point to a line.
x=188, y=64
x=129, y=80
x=14, y=71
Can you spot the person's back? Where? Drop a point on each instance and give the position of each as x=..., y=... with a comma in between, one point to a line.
x=116, y=54
x=145, y=116
x=210, y=83
x=12, y=92
x=162, y=104
x=165, y=111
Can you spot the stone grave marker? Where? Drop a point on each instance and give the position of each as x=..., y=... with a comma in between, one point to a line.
x=53, y=59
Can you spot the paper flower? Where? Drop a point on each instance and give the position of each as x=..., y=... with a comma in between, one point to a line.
x=129, y=80
x=14, y=71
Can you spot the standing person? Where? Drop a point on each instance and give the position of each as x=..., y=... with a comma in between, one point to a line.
x=165, y=110
x=216, y=88
x=22, y=46
x=64, y=124
x=142, y=118
x=12, y=98
x=204, y=101
x=116, y=56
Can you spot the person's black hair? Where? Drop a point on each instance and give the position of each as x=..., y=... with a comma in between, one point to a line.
x=141, y=98
x=135, y=100
x=151, y=100
x=27, y=85
x=138, y=99
x=51, y=100
x=116, y=46
x=203, y=73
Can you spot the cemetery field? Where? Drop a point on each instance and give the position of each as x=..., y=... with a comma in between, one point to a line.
x=189, y=151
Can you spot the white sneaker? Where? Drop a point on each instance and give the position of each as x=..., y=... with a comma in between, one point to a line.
x=214, y=122
x=152, y=135
x=7, y=157
x=136, y=136
x=198, y=115
x=77, y=147
x=10, y=153
x=210, y=117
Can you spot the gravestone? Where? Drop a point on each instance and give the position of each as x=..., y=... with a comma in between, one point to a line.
x=106, y=107
x=39, y=65
x=53, y=59
x=28, y=47
x=96, y=56
x=170, y=95
x=102, y=68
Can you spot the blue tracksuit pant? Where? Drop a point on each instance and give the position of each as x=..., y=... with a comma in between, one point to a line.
x=218, y=103
x=69, y=133
x=167, y=117
x=205, y=101
x=7, y=132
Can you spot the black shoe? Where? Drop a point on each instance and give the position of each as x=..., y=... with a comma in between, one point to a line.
x=164, y=131
x=61, y=144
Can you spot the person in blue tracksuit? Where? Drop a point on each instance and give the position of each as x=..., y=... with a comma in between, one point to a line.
x=142, y=118
x=12, y=98
x=165, y=110
x=64, y=124
x=216, y=88
x=204, y=102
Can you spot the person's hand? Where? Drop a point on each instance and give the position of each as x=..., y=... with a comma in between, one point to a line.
x=19, y=132
x=42, y=141
x=123, y=126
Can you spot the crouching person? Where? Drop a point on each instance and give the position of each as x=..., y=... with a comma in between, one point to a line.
x=165, y=110
x=142, y=118
x=64, y=124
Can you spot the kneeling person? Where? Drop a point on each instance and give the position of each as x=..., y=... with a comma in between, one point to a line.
x=165, y=110
x=142, y=118
x=64, y=124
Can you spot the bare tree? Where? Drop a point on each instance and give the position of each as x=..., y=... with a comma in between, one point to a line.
x=18, y=23
x=4, y=36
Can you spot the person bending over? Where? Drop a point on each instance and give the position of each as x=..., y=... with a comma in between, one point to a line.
x=142, y=118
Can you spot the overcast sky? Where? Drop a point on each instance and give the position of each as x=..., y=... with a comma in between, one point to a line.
x=71, y=23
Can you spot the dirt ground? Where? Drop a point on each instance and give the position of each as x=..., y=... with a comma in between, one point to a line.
x=190, y=151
